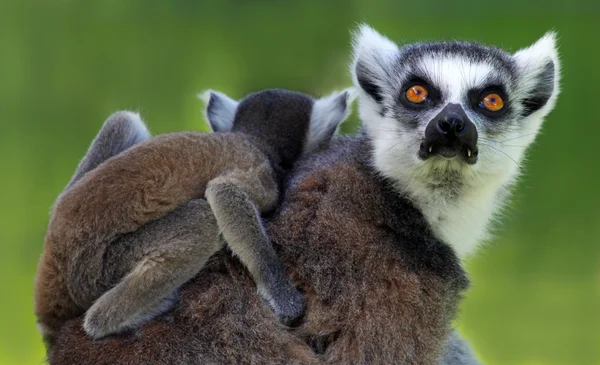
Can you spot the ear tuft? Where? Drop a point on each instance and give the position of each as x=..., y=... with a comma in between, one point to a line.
x=374, y=57
x=327, y=115
x=539, y=74
x=219, y=110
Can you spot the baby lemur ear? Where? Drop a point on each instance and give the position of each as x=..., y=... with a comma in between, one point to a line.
x=539, y=72
x=374, y=60
x=219, y=110
x=327, y=115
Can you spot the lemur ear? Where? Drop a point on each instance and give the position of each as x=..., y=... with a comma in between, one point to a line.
x=539, y=73
x=219, y=110
x=327, y=115
x=374, y=58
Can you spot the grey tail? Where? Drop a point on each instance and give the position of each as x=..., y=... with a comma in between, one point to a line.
x=120, y=131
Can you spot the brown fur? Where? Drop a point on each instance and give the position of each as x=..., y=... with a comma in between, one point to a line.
x=380, y=288
x=140, y=185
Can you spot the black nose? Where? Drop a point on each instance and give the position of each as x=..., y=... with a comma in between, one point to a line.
x=451, y=125
x=449, y=134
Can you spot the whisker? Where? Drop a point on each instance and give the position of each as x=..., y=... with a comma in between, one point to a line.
x=505, y=154
x=387, y=130
x=512, y=145
x=393, y=146
x=525, y=135
x=483, y=140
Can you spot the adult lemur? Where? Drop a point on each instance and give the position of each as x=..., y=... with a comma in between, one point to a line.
x=373, y=228
x=90, y=262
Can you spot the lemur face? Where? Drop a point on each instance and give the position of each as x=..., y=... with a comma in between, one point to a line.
x=452, y=106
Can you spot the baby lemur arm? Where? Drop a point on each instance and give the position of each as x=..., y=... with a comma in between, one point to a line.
x=237, y=199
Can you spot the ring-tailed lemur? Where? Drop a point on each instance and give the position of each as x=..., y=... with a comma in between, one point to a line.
x=450, y=123
x=370, y=228
x=91, y=260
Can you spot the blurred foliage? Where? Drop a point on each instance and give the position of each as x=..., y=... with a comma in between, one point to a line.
x=66, y=65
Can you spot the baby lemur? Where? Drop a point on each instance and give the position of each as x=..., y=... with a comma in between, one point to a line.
x=95, y=257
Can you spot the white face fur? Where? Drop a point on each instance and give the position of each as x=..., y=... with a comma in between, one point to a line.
x=457, y=195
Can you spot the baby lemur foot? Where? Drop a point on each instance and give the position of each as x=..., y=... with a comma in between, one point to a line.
x=288, y=305
x=104, y=318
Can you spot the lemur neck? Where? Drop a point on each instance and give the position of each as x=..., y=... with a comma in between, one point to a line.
x=458, y=206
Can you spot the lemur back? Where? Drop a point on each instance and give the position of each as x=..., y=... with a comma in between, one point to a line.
x=97, y=259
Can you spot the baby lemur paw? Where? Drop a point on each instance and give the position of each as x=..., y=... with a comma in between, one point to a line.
x=107, y=317
x=288, y=306
x=97, y=324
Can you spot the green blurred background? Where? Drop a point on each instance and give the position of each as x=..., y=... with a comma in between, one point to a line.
x=66, y=65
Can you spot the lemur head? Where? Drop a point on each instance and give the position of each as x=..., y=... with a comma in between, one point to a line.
x=452, y=114
x=288, y=122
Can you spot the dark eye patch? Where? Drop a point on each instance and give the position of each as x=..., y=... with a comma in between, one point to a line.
x=434, y=94
x=475, y=97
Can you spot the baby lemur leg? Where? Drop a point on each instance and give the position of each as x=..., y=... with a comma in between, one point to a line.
x=149, y=265
x=237, y=199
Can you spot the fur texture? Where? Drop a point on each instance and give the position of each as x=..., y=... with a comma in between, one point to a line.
x=154, y=181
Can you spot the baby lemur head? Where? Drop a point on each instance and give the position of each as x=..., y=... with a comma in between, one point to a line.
x=286, y=123
x=450, y=122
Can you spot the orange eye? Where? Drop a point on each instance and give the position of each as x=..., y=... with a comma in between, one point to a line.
x=417, y=94
x=493, y=102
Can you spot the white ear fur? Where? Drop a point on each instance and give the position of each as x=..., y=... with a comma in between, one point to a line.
x=327, y=115
x=539, y=53
x=219, y=110
x=374, y=56
x=539, y=72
